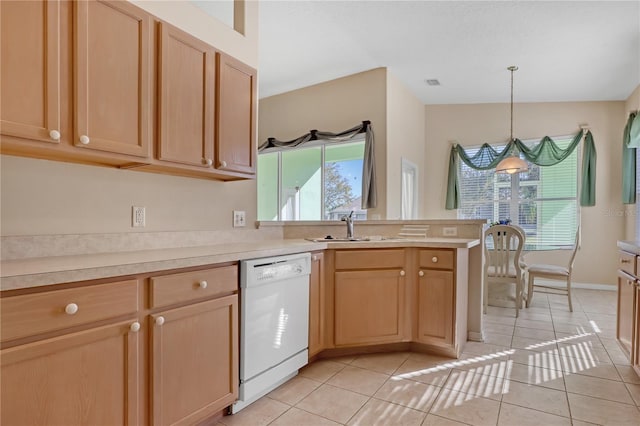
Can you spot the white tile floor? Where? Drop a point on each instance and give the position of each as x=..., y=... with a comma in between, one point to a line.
x=548, y=367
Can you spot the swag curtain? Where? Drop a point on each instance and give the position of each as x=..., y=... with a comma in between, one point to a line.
x=630, y=142
x=545, y=153
x=369, y=193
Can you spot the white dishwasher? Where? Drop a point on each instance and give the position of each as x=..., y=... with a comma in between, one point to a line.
x=274, y=323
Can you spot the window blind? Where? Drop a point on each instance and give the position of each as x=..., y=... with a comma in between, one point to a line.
x=543, y=200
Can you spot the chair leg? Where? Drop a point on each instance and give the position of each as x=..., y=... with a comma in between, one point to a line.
x=518, y=298
x=569, y=293
x=529, y=289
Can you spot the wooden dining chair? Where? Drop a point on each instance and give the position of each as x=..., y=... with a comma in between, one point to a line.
x=503, y=249
x=552, y=272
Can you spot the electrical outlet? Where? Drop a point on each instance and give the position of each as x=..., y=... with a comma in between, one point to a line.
x=238, y=218
x=137, y=217
x=449, y=231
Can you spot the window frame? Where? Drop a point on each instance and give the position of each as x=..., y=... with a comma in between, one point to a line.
x=322, y=144
x=515, y=184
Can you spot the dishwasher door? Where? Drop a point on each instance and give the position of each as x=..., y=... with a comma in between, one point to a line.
x=274, y=323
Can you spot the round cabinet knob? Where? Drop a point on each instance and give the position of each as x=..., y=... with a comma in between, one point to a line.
x=84, y=140
x=71, y=308
x=203, y=284
x=434, y=259
x=223, y=163
x=402, y=273
x=159, y=320
x=207, y=162
x=135, y=327
x=625, y=261
x=54, y=135
x=421, y=273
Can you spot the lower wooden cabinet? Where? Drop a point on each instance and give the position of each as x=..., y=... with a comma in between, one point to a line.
x=369, y=306
x=435, y=306
x=155, y=349
x=635, y=355
x=626, y=307
x=316, y=304
x=84, y=378
x=397, y=295
x=194, y=361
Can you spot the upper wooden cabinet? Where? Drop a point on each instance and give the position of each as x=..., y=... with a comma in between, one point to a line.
x=77, y=76
x=112, y=77
x=78, y=79
x=206, y=110
x=236, y=100
x=30, y=78
x=186, y=72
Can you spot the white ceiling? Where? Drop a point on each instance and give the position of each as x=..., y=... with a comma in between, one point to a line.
x=566, y=50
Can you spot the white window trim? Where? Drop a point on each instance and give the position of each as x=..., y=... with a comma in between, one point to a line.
x=323, y=143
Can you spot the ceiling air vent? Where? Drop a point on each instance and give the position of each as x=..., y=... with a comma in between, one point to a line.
x=432, y=82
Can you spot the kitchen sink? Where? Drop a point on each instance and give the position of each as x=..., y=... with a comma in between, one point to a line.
x=339, y=239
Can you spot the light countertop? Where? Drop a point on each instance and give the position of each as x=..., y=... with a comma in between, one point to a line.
x=630, y=246
x=41, y=271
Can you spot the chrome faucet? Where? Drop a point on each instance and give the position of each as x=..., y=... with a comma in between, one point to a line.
x=349, y=221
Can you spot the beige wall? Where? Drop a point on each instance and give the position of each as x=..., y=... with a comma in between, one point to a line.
x=405, y=139
x=191, y=19
x=332, y=106
x=43, y=197
x=471, y=125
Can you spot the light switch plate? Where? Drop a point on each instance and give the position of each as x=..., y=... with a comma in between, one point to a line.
x=239, y=218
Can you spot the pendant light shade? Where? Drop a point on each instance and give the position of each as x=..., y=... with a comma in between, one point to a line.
x=513, y=163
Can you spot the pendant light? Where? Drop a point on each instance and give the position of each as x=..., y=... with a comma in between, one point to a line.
x=513, y=163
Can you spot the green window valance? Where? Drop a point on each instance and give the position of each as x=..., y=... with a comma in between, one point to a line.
x=630, y=142
x=545, y=153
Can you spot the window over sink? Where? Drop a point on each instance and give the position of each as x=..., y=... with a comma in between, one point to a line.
x=317, y=182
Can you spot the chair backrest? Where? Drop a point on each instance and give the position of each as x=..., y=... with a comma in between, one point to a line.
x=503, y=248
x=575, y=249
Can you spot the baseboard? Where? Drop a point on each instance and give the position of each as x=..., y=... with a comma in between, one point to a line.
x=474, y=336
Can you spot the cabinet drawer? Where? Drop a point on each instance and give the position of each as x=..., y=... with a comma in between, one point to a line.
x=32, y=314
x=436, y=259
x=176, y=288
x=369, y=259
x=627, y=262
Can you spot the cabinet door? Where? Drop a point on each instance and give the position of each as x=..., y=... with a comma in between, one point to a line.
x=635, y=353
x=85, y=378
x=316, y=304
x=30, y=58
x=235, y=116
x=369, y=306
x=435, y=306
x=194, y=361
x=186, y=98
x=112, y=77
x=626, y=311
